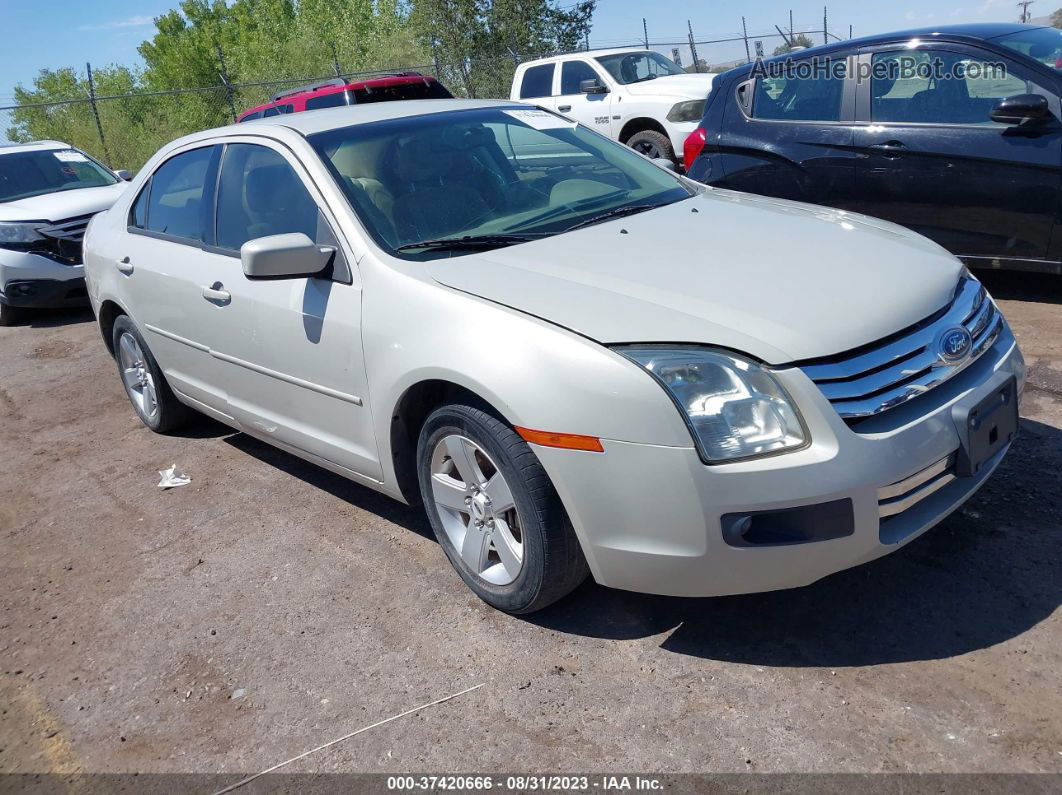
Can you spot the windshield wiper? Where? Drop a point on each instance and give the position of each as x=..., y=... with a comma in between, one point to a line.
x=468, y=241
x=616, y=212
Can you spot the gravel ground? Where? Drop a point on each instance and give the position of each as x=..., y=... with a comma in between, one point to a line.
x=270, y=607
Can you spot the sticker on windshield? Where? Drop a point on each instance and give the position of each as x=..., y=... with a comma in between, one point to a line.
x=70, y=157
x=540, y=119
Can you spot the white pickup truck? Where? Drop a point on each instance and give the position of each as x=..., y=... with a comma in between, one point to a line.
x=637, y=97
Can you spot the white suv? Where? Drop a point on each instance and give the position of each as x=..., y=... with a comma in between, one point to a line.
x=540, y=346
x=636, y=97
x=48, y=192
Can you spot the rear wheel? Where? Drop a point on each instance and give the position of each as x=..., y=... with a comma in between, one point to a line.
x=145, y=385
x=495, y=512
x=652, y=144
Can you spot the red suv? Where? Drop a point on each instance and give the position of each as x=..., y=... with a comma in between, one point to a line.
x=338, y=92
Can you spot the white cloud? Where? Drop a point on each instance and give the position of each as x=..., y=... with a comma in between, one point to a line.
x=128, y=22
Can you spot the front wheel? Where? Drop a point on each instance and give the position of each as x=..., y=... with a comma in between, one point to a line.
x=653, y=145
x=495, y=512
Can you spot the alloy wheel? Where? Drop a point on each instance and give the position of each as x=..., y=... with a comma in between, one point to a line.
x=137, y=377
x=477, y=509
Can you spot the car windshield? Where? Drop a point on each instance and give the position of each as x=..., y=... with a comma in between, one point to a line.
x=1043, y=45
x=26, y=174
x=485, y=178
x=634, y=67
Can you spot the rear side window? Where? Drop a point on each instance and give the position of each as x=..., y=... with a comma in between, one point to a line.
x=259, y=194
x=287, y=108
x=175, y=201
x=256, y=115
x=573, y=73
x=334, y=100
x=537, y=82
x=270, y=112
x=801, y=95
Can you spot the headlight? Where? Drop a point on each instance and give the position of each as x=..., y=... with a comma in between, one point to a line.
x=735, y=408
x=19, y=233
x=687, y=111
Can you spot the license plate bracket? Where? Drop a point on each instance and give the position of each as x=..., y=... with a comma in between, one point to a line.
x=987, y=427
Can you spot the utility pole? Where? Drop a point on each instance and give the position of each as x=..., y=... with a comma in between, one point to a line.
x=645, y=33
x=693, y=48
x=96, y=113
x=1024, y=6
x=335, y=59
x=790, y=23
x=745, y=36
x=825, y=35
x=225, y=81
x=587, y=40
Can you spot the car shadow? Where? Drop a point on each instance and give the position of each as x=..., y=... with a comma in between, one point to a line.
x=983, y=576
x=412, y=519
x=1043, y=288
x=53, y=318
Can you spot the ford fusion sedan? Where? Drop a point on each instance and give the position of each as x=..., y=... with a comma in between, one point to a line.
x=48, y=193
x=489, y=310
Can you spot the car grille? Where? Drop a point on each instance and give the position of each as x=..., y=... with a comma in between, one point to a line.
x=62, y=241
x=885, y=374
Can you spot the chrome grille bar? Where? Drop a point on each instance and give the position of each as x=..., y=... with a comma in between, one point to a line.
x=908, y=492
x=869, y=382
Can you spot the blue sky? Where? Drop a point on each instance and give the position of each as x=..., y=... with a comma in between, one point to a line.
x=59, y=33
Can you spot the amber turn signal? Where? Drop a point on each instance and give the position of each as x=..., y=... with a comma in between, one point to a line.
x=566, y=441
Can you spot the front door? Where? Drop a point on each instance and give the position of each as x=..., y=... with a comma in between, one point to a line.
x=931, y=159
x=295, y=374
x=590, y=110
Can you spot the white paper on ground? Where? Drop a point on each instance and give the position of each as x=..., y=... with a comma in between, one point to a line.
x=173, y=477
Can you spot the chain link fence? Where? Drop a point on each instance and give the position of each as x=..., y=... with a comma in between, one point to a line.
x=125, y=130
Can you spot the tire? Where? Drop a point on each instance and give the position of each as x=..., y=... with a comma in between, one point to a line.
x=11, y=315
x=551, y=563
x=145, y=385
x=652, y=144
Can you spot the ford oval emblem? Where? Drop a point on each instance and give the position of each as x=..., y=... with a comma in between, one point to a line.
x=955, y=345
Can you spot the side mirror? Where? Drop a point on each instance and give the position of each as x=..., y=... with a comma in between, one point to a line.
x=665, y=162
x=592, y=86
x=1023, y=109
x=123, y=174
x=287, y=256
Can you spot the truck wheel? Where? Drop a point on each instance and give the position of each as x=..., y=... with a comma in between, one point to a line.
x=495, y=512
x=152, y=399
x=10, y=315
x=652, y=144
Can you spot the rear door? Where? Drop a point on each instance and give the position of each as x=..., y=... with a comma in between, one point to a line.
x=167, y=273
x=590, y=110
x=930, y=157
x=294, y=370
x=788, y=133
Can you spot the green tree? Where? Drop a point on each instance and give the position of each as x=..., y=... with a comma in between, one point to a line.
x=799, y=41
x=1056, y=19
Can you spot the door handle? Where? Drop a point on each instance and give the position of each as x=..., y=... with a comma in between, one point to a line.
x=564, y=108
x=889, y=149
x=217, y=294
x=124, y=266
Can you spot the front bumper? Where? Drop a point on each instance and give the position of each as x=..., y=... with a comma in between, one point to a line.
x=649, y=518
x=36, y=281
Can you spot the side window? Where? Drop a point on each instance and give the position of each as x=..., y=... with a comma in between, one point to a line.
x=940, y=87
x=537, y=82
x=256, y=115
x=286, y=108
x=796, y=96
x=335, y=100
x=573, y=73
x=175, y=202
x=138, y=213
x=270, y=111
x=259, y=194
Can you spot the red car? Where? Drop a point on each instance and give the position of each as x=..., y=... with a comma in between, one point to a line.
x=339, y=92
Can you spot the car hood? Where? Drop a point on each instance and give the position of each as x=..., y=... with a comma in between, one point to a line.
x=62, y=204
x=778, y=280
x=693, y=86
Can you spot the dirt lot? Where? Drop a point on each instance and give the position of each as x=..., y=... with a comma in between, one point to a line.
x=270, y=607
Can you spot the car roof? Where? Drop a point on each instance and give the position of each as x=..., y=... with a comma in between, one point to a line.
x=584, y=54
x=979, y=31
x=337, y=87
x=315, y=121
x=32, y=146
